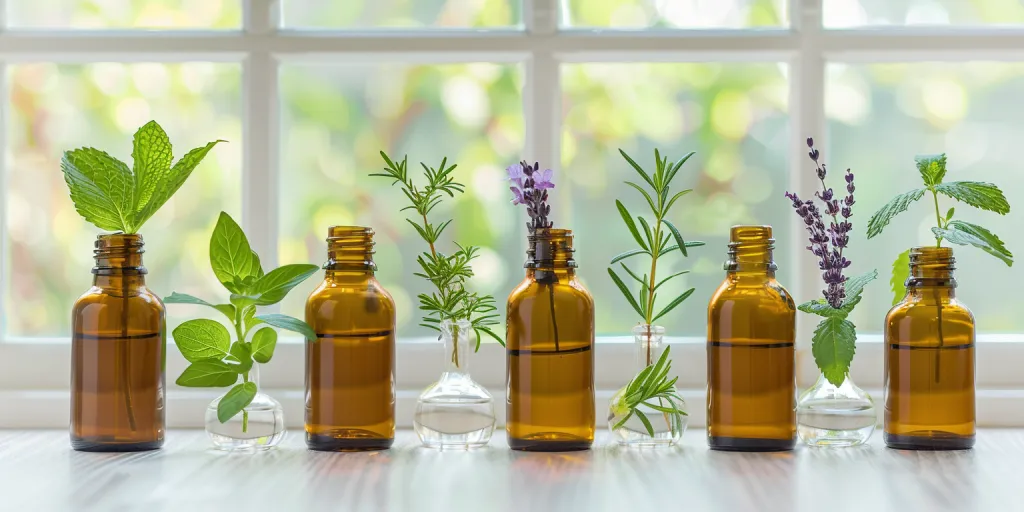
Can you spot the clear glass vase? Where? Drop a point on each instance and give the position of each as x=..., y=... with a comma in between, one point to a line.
x=668, y=427
x=455, y=411
x=833, y=416
x=260, y=426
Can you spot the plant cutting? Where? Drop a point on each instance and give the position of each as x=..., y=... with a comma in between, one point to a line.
x=651, y=389
x=116, y=198
x=218, y=360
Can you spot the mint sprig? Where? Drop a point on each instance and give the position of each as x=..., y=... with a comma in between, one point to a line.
x=835, y=338
x=984, y=196
x=115, y=198
x=217, y=360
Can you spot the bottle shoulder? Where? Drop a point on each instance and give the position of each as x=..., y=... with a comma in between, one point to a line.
x=140, y=299
x=761, y=293
x=566, y=290
x=337, y=305
x=915, y=308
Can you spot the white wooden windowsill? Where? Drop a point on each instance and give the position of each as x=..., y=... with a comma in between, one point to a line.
x=40, y=472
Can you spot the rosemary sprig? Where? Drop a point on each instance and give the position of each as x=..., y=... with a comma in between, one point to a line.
x=448, y=273
x=652, y=384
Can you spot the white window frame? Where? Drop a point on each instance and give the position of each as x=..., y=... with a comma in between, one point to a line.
x=34, y=377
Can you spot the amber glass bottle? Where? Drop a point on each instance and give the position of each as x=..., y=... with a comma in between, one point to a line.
x=751, y=334
x=929, y=360
x=350, y=367
x=550, y=351
x=118, y=352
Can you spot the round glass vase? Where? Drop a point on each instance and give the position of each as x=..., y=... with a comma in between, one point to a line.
x=260, y=426
x=668, y=427
x=835, y=416
x=455, y=412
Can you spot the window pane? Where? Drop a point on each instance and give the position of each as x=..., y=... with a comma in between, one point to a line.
x=337, y=118
x=880, y=117
x=634, y=14
x=733, y=115
x=855, y=13
x=369, y=14
x=124, y=14
x=59, y=107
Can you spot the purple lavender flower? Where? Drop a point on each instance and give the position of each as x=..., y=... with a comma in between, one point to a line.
x=532, y=190
x=828, y=244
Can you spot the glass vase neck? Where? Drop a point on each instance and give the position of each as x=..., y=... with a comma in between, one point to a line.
x=254, y=375
x=931, y=267
x=349, y=251
x=750, y=251
x=649, y=342
x=459, y=339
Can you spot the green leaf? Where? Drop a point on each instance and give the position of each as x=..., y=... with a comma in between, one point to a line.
x=650, y=202
x=628, y=219
x=645, y=421
x=289, y=323
x=854, y=286
x=151, y=153
x=209, y=373
x=671, y=305
x=977, y=194
x=263, y=344
x=272, y=287
x=681, y=193
x=965, y=233
x=932, y=168
x=672, y=174
x=628, y=254
x=678, y=236
x=667, y=279
x=232, y=259
x=643, y=174
x=100, y=187
x=949, y=214
x=897, y=205
x=202, y=339
x=237, y=399
x=249, y=318
x=625, y=291
x=173, y=181
x=182, y=298
x=241, y=353
x=900, y=273
x=833, y=346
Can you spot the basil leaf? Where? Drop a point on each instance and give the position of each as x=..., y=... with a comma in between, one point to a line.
x=896, y=206
x=210, y=373
x=235, y=400
x=100, y=187
x=965, y=233
x=202, y=339
x=272, y=288
x=289, y=323
x=182, y=298
x=241, y=353
x=932, y=168
x=833, y=347
x=977, y=194
x=151, y=154
x=263, y=344
x=232, y=259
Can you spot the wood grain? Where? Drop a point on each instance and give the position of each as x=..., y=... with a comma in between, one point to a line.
x=39, y=472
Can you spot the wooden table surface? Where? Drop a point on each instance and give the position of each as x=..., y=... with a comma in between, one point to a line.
x=40, y=472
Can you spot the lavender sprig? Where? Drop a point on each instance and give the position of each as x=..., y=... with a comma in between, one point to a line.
x=530, y=187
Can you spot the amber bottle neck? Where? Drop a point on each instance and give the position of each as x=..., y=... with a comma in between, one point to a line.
x=751, y=252
x=119, y=261
x=349, y=252
x=549, y=254
x=931, y=272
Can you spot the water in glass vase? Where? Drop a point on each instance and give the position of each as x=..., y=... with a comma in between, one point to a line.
x=455, y=412
x=260, y=426
x=833, y=416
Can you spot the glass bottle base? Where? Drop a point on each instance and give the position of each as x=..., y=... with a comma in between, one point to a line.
x=99, y=444
x=348, y=440
x=550, y=443
x=929, y=440
x=738, y=444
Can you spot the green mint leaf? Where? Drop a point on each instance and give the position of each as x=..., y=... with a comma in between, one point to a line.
x=977, y=194
x=900, y=273
x=263, y=344
x=272, y=287
x=965, y=233
x=170, y=182
x=202, y=339
x=151, y=153
x=232, y=259
x=182, y=298
x=100, y=187
x=289, y=323
x=896, y=206
x=235, y=400
x=854, y=286
x=833, y=346
x=241, y=353
x=210, y=373
x=932, y=168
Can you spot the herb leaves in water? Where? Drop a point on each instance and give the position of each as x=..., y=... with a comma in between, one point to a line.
x=985, y=196
x=448, y=273
x=834, y=341
x=216, y=360
x=658, y=239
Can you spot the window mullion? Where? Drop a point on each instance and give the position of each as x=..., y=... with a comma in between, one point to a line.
x=542, y=90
